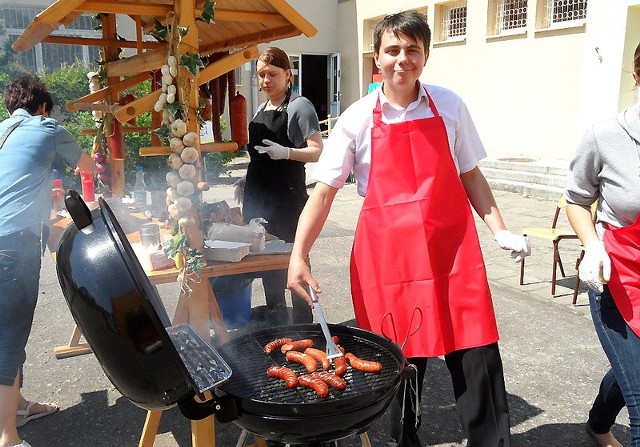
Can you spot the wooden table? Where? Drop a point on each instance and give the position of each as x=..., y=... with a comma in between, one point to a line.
x=199, y=310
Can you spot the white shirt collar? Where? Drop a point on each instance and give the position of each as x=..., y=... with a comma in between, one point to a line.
x=422, y=96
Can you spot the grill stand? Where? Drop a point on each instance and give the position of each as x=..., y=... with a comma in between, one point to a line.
x=259, y=442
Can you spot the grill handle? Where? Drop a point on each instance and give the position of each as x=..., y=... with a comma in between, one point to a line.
x=409, y=372
x=224, y=407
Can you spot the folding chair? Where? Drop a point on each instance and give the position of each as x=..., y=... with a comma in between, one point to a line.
x=555, y=235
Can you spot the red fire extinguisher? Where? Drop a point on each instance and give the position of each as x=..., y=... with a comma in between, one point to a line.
x=238, y=120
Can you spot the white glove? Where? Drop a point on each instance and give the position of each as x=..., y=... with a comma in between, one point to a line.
x=519, y=245
x=276, y=151
x=595, y=267
x=238, y=192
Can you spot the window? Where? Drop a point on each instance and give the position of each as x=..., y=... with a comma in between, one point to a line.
x=46, y=55
x=507, y=15
x=563, y=11
x=451, y=21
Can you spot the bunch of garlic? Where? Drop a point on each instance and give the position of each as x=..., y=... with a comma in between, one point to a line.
x=183, y=175
x=169, y=93
x=94, y=86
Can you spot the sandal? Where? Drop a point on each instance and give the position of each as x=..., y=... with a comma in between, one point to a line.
x=25, y=415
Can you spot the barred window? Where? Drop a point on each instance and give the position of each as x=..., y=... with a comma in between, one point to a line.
x=44, y=56
x=562, y=11
x=454, y=20
x=510, y=14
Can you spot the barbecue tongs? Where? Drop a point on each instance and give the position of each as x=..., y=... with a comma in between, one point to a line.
x=332, y=349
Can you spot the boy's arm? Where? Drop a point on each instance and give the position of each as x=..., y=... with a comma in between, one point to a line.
x=481, y=198
x=310, y=224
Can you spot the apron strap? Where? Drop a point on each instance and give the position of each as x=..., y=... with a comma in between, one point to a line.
x=377, y=111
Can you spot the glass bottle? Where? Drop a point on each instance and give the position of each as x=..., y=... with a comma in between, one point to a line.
x=140, y=189
x=57, y=194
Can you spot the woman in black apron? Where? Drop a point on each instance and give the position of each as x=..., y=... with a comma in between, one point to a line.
x=283, y=135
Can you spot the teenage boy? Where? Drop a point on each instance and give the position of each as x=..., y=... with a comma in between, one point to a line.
x=414, y=150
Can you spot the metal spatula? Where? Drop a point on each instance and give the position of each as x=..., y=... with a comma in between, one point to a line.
x=332, y=349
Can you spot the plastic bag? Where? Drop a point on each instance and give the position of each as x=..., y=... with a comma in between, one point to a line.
x=252, y=233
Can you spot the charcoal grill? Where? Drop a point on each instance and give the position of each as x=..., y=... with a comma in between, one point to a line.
x=266, y=407
x=157, y=366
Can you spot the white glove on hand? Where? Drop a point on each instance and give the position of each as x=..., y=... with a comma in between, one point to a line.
x=595, y=267
x=519, y=245
x=276, y=151
x=238, y=192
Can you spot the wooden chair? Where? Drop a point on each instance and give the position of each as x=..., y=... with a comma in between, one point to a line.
x=555, y=235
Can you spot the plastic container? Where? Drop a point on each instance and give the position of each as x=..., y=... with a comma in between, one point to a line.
x=140, y=189
x=57, y=195
x=225, y=251
x=88, y=187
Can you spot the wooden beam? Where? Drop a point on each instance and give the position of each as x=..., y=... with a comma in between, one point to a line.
x=114, y=88
x=294, y=17
x=134, y=108
x=45, y=23
x=129, y=8
x=250, y=39
x=227, y=64
x=234, y=15
x=147, y=61
x=125, y=129
x=109, y=43
x=206, y=147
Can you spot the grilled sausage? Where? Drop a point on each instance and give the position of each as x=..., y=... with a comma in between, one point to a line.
x=363, y=365
x=288, y=375
x=297, y=345
x=320, y=356
x=335, y=339
x=339, y=366
x=331, y=379
x=305, y=360
x=316, y=384
x=275, y=344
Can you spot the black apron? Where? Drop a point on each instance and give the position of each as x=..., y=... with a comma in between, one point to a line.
x=275, y=189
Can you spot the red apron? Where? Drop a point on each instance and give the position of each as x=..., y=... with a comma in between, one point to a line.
x=623, y=246
x=416, y=244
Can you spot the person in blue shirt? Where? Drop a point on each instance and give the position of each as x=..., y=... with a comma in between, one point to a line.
x=29, y=144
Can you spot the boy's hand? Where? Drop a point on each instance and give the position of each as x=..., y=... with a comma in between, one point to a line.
x=519, y=245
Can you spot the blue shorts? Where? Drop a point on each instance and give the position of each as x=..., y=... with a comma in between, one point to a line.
x=20, y=260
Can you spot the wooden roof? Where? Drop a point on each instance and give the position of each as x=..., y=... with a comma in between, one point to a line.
x=238, y=23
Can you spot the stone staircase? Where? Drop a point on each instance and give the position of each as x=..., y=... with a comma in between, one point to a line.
x=536, y=178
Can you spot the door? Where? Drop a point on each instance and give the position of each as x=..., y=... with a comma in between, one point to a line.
x=334, y=82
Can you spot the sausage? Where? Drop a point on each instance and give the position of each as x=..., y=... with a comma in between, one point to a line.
x=288, y=375
x=333, y=380
x=305, y=360
x=297, y=345
x=339, y=366
x=363, y=365
x=320, y=356
x=316, y=384
x=335, y=339
x=275, y=344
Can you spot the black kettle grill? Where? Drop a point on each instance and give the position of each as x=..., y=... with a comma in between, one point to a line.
x=157, y=366
x=153, y=364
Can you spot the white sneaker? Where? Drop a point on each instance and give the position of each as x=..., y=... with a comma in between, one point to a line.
x=23, y=444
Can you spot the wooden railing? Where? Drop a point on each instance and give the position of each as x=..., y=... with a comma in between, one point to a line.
x=329, y=122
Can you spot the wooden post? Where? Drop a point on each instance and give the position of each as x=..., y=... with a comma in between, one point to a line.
x=116, y=139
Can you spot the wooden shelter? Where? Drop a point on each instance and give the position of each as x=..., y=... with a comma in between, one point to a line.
x=208, y=40
x=235, y=27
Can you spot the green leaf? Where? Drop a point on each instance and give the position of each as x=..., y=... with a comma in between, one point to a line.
x=191, y=62
x=161, y=31
x=208, y=12
x=182, y=31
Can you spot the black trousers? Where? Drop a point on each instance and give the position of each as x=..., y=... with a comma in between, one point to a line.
x=480, y=394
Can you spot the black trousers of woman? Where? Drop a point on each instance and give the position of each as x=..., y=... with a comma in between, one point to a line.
x=480, y=394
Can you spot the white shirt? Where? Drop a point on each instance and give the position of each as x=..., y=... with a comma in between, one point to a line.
x=349, y=144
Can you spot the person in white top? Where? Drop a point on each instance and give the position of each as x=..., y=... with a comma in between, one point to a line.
x=414, y=151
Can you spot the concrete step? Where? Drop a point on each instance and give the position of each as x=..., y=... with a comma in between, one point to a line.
x=540, y=179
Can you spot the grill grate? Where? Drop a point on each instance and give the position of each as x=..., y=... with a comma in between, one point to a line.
x=249, y=364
